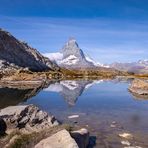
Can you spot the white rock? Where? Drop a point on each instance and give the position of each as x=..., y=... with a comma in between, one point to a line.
x=73, y=116
x=112, y=125
x=132, y=147
x=126, y=143
x=61, y=139
x=126, y=135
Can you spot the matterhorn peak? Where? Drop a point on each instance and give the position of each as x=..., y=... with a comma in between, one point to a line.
x=71, y=44
x=72, y=39
x=71, y=48
x=72, y=56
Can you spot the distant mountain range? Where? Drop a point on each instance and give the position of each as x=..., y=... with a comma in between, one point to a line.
x=136, y=67
x=15, y=54
x=72, y=57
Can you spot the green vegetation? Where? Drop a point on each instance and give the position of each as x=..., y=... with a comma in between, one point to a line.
x=92, y=73
x=20, y=140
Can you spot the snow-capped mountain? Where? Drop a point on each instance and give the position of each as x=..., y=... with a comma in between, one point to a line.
x=137, y=67
x=71, y=56
x=143, y=62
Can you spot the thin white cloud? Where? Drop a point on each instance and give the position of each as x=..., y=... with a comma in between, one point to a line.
x=112, y=39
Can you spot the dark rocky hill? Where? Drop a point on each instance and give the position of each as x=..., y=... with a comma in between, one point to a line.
x=16, y=54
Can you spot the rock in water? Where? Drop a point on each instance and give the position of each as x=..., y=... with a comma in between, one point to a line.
x=61, y=139
x=16, y=54
x=3, y=127
x=73, y=116
x=139, y=87
x=81, y=137
x=29, y=118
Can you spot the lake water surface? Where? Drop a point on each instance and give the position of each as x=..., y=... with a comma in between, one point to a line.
x=106, y=108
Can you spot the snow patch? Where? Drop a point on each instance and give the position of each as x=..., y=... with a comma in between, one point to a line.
x=70, y=60
x=143, y=62
x=54, y=56
x=95, y=63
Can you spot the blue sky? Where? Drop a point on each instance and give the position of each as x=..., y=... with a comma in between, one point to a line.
x=107, y=30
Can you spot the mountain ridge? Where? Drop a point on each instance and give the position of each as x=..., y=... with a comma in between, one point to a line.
x=71, y=56
x=15, y=54
x=139, y=67
x=20, y=55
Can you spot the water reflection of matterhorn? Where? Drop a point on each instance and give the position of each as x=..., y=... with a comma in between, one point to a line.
x=71, y=90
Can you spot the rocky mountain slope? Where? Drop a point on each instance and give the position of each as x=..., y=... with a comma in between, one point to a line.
x=72, y=57
x=15, y=54
x=27, y=126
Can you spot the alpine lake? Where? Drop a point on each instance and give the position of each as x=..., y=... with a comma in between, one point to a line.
x=105, y=107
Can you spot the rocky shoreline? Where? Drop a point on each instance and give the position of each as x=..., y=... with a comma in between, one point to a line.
x=28, y=126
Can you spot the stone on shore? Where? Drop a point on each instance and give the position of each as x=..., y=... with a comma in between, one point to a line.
x=28, y=118
x=61, y=139
x=126, y=135
x=81, y=137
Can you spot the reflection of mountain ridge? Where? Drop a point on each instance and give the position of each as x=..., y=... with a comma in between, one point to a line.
x=70, y=90
x=14, y=96
x=71, y=95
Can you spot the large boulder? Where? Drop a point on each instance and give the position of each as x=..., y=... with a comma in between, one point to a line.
x=64, y=139
x=81, y=137
x=139, y=86
x=61, y=139
x=28, y=118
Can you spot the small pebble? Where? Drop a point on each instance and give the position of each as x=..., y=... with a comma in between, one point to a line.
x=114, y=122
x=126, y=135
x=133, y=147
x=112, y=125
